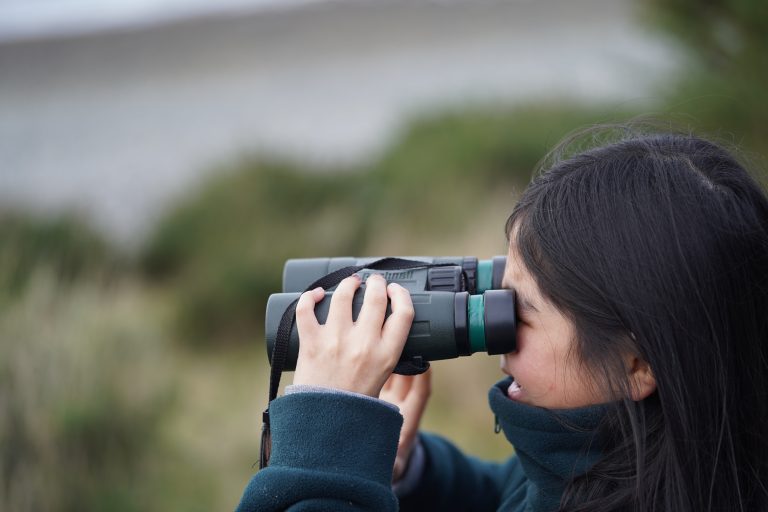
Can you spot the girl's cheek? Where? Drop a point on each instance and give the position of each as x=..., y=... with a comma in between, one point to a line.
x=523, y=333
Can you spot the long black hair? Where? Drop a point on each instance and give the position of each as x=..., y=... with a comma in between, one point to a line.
x=657, y=245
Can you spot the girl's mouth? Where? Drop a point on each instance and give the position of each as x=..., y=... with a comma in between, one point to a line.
x=515, y=390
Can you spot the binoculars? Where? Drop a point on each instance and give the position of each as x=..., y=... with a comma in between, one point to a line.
x=458, y=303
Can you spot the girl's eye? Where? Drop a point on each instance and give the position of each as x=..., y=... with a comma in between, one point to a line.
x=524, y=317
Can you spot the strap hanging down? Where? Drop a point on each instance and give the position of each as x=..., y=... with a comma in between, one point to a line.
x=280, y=348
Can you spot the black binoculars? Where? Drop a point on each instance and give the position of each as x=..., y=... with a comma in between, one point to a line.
x=458, y=303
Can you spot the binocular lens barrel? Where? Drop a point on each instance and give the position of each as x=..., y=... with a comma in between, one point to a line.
x=446, y=324
x=461, y=273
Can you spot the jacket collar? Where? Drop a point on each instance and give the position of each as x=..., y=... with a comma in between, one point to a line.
x=553, y=445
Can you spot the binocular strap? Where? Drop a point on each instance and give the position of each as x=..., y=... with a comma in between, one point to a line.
x=414, y=366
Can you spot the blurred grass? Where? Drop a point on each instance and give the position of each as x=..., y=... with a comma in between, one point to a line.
x=66, y=245
x=84, y=392
x=219, y=249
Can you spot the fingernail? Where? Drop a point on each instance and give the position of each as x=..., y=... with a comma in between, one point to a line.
x=319, y=288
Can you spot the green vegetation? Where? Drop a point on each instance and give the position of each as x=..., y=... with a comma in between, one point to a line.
x=723, y=88
x=84, y=393
x=66, y=245
x=223, y=248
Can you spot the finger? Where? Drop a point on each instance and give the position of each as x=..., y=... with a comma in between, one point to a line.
x=388, y=383
x=419, y=392
x=374, y=302
x=408, y=433
x=396, y=328
x=414, y=404
x=401, y=385
x=306, y=321
x=413, y=407
x=340, y=311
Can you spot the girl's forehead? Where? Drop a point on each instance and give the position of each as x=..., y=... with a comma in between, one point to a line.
x=515, y=272
x=517, y=276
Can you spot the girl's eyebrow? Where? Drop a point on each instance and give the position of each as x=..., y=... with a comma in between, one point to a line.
x=525, y=304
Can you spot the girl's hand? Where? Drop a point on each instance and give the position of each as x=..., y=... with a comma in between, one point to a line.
x=354, y=356
x=410, y=394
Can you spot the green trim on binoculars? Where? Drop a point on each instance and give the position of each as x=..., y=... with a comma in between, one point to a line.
x=484, y=275
x=476, y=317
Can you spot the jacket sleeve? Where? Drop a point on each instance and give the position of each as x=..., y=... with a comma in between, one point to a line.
x=329, y=452
x=454, y=481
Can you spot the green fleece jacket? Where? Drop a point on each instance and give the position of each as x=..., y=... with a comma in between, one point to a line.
x=336, y=452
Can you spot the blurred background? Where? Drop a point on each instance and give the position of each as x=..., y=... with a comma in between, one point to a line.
x=159, y=161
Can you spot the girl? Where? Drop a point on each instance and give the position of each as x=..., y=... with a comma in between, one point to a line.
x=640, y=379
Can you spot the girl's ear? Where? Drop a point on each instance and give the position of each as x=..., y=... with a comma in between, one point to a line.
x=641, y=380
